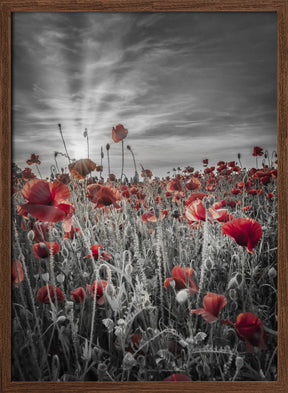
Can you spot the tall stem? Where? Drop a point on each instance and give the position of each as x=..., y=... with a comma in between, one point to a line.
x=60, y=129
x=122, y=159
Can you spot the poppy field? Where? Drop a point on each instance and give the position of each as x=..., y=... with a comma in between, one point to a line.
x=147, y=278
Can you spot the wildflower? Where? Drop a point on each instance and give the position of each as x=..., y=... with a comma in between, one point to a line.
x=119, y=133
x=34, y=159
x=193, y=196
x=205, y=161
x=43, y=297
x=17, y=268
x=73, y=231
x=46, y=201
x=193, y=184
x=103, y=195
x=43, y=249
x=213, y=304
x=98, y=289
x=95, y=253
x=78, y=295
x=152, y=216
x=146, y=173
x=177, y=377
x=81, y=168
x=245, y=231
x=196, y=212
x=257, y=151
x=250, y=328
x=181, y=277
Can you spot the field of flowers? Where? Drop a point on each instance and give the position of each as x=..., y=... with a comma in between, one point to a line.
x=147, y=279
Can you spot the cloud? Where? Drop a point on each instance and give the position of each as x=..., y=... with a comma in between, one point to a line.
x=176, y=81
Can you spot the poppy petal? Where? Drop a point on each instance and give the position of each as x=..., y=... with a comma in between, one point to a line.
x=37, y=191
x=44, y=212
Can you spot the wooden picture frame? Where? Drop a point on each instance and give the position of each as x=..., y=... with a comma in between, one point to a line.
x=7, y=8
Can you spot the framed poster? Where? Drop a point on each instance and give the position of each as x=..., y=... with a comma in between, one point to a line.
x=143, y=215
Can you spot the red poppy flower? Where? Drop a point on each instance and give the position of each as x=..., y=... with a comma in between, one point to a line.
x=43, y=297
x=146, y=173
x=213, y=304
x=81, y=168
x=250, y=328
x=95, y=251
x=231, y=164
x=78, y=295
x=220, y=163
x=265, y=180
x=182, y=278
x=27, y=174
x=197, y=212
x=43, y=249
x=34, y=159
x=151, y=217
x=103, y=195
x=193, y=184
x=177, y=378
x=119, y=133
x=270, y=195
x=99, y=168
x=64, y=178
x=73, y=231
x=16, y=278
x=245, y=231
x=46, y=201
x=253, y=191
x=235, y=191
x=175, y=185
x=257, y=151
x=195, y=195
x=98, y=287
x=205, y=161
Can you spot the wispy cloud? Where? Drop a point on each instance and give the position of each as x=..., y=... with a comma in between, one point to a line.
x=176, y=81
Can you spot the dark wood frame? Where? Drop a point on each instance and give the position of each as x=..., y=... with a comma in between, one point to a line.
x=10, y=6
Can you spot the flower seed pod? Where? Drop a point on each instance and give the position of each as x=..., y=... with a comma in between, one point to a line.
x=128, y=361
x=60, y=278
x=272, y=273
x=110, y=290
x=233, y=294
x=182, y=296
x=239, y=362
x=45, y=277
x=30, y=235
x=128, y=269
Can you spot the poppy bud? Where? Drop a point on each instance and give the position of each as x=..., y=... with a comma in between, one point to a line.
x=110, y=290
x=62, y=318
x=30, y=235
x=60, y=278
x=272, y=273
x=233, y=294
x=172, y=283
x=129, y=269
x=128, y=361
x=45, y=277
x=208, y=264
x=182, y=296
x=239, y=278
x=239, y=362
x=107, y=146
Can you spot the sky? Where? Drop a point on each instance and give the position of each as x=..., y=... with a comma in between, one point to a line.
x=187, y=86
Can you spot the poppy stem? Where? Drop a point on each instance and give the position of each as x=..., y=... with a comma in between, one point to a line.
x=38, y=170
x=122, y=160
x=108, y=158
x=87, y=137
x=61, y=133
